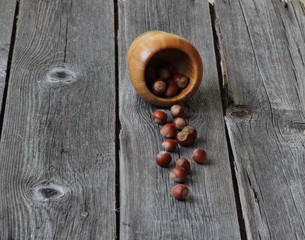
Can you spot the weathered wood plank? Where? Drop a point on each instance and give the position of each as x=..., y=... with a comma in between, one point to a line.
x=57, y=149
x=147, y=209
x=263, y=52
x=7, y=14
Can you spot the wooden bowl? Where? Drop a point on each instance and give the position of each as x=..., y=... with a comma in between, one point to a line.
x=155, y=47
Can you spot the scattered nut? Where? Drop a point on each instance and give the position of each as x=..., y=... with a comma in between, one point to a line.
x=163, y=159
x=168, y=130
x=177, y=111
x=184, y=139
x=179, y=123
x=170, y=145
x=190, y=130
x=199, y=155
x=160, y=116
x=180, y=192
x=184, y=163
x=178, y=174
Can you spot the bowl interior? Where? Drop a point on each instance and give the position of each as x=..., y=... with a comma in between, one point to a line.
x=180, y=62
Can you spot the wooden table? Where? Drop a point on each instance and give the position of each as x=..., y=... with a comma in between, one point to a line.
x=78, y=145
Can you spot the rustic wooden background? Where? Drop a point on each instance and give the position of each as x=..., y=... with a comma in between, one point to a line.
x=78, y=144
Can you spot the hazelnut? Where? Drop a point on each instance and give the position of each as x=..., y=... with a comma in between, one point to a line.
x=160, y=116
x=190, y=130
x=184, y=139
x=170, y=145
x=171, y=90
x=178, y=174
x=181, y=80
x=177, y=111
x=158, y=87
x=168, y=130
x=163, y=159
x=184, y=163
x=165, y=73
x=179, y=123
x=199, y=155
x=180, y=192
x=150, y=74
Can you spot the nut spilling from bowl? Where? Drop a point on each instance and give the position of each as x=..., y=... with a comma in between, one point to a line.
x=157, y=55
x=164, y=80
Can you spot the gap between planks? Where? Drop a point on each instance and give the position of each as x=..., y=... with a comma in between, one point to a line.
x=117, y=121
x=8, y=68
x=226, y=102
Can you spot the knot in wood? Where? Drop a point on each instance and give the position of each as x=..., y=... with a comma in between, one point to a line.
x=239, y=112
x=84, y=214
x=50, y=192
x=61, y=75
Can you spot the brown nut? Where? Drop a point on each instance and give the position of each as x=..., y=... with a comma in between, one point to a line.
x=177, y=111
x=163, y=159
x=168, y=130
x=180, y=192
x=160, y=116
x=184, y=139
x=170, y=145
x=171, y=90
x=179, y=123
x=178, y=174
x=199, y=155
x=184, y=163
x=181, y=80
x=190, y=130
x=158, y=87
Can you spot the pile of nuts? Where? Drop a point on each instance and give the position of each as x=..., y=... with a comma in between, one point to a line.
x=185, y=137
x=165, y=81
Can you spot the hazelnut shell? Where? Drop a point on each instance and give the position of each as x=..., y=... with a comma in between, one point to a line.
x=184, y=139
x=199, y=155
x=177, y=111
x=180, y=192
x=178, y=174
x=184, y=163
x=191, y=130
x=160, y=116
x=158, y=87
x=168, y=130
x=170, y=145
x=163, y=159
x=179, y=123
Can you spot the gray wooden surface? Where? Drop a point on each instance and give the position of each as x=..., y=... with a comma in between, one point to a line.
x=147, y=209
x=7, y=14
x=57, y=149
x=265, y=77
x=78, y=145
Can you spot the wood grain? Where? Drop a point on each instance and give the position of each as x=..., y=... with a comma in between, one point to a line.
x=263, y=52
x=57, y=149
x=147, y=210
x=7, y=13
